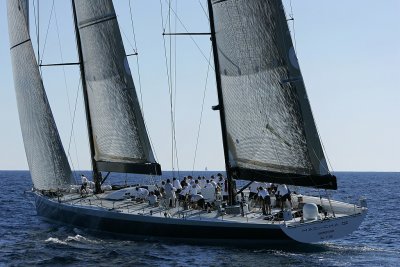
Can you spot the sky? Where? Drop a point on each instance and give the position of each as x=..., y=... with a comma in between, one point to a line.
x=349, y=54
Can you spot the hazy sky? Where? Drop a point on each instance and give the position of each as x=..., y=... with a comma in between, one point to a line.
x=349, y=53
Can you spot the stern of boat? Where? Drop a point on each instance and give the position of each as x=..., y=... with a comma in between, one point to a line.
x=324, y=229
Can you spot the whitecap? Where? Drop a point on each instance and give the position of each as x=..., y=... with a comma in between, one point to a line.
x=55, y=240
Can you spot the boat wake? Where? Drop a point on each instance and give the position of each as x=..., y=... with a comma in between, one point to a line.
x=55, y=240
x=76, y=241
x=351, y=248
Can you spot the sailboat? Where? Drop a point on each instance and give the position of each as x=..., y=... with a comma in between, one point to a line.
x=268, y=132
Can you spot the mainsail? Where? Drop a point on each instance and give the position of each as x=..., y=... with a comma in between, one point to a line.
x=119, y=134
x=47, y=161
x=270, y=130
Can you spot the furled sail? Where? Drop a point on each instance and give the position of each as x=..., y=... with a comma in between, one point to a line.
x=47, y=161
x=271, y=134
x=120, y=137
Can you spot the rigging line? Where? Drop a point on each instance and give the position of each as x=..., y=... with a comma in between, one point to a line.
x=172, y=88
x=315, y=123
x=171, y=85
x=65, y=83
x=191, y=37
x=36, y=28
x=137, y=57
x=129, y=42
x=168, y=76
x=168, y=22
x=73, y=123
x=175, y=58
x=294, y=31
x=38, y=32
x=140, y=104
x=139, y=77
x=204, y=10
x=201, y=113
x=47, y=31
x=175, y=84
x=49, y=122
x=322, y=143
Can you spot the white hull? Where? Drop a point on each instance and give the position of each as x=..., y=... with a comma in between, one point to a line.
x=322, y=230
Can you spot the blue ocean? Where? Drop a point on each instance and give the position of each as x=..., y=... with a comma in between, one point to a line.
x=27, y=239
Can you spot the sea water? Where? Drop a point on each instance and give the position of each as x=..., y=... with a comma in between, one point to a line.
x=27, y=239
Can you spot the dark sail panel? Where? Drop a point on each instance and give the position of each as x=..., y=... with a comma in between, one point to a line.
x=271, y=132
x=119, y=133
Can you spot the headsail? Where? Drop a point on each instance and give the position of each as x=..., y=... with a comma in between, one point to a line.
x=47, y=161
x=270, y=130
x=120, y=138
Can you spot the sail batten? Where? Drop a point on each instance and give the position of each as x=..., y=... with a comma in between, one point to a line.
x=269, y=125
x=45, y=154
x=120, y=138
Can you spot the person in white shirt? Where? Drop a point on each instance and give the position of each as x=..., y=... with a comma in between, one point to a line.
x=208, y=184
x=224, y=190
x=177, y=184
x=84, y=189
x=197, y=182
x=265, y=200
x=184, y=192
x=198, y=200
x=141, y=193
x=253, y=190
x=284, y=194
x=170, y=193
x=202, y=182
x=193, y=189
x=152, y=199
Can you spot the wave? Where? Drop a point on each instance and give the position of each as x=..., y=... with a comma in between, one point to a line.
x=55, y=240
x=351, y=248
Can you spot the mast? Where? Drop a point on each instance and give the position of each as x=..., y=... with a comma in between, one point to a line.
x=220, y=105
x=96, y=173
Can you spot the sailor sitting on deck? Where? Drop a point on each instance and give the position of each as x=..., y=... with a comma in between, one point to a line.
x=183, y=197
x=197, y=201
x=152, y=199
x=84, y=190
x=141, y=193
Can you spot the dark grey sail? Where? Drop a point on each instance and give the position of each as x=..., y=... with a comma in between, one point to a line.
x=119, y=134
x=47, y=161
x=270, y=131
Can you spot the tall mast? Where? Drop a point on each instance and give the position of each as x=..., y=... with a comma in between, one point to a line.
x=220, y=105
x=96, y=173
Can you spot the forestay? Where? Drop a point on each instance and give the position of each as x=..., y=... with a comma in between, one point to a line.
x=47, y=161
x=120, y=138
x=271, y=134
